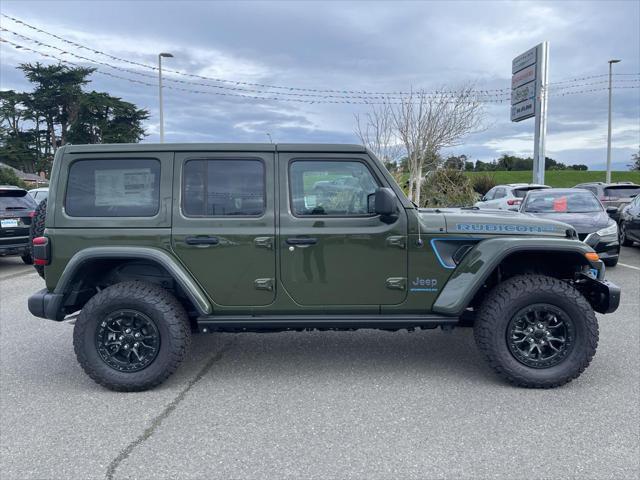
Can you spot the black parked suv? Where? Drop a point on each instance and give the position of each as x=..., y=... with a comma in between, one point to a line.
x=630, y=223
x=617, y=195
x=16, y=211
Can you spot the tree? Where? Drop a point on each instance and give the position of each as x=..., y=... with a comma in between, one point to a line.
x=58, y=111
x=427, y=123
x=635, y=161
x=376, y=132
x=9, y=177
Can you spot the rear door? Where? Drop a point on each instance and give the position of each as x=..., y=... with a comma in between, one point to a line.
x=224, y=224
x=333, y=251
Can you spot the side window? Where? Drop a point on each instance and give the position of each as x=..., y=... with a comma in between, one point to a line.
x=334, y=188
x=113, y=188
x=489, y=195
x=500, y=193
x=219, y=188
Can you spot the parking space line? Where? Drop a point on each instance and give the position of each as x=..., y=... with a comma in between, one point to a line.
x=628, y=266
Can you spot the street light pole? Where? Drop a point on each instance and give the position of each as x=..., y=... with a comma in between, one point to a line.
x=166, y=55
x=608, y=179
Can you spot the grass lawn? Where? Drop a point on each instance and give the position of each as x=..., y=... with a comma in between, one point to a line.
x=556, y=178
x=561, y=178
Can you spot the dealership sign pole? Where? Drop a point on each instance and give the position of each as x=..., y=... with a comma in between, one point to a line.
x=529, y=81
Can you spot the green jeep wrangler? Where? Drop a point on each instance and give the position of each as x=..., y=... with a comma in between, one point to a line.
x=151, y=243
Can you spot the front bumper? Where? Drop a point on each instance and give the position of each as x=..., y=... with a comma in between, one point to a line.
x=606, y=247
x=603, y=295
x=45, y=304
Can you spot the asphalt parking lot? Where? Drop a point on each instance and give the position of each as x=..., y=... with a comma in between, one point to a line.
x=363, y=404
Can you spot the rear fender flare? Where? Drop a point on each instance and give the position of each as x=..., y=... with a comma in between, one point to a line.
x=175, y=269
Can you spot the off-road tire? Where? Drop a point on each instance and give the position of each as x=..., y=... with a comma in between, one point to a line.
x=151, y=300
x=37, y=230
x=508, y=298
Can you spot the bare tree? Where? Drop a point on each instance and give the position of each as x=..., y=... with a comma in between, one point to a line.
x=427, y=122
x=376, y=131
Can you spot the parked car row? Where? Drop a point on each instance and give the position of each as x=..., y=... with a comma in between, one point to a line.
x=604, y=215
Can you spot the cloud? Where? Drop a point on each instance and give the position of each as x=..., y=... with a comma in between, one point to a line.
x=376, y=46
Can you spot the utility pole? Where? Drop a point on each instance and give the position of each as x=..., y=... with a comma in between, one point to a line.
x=540, y=134
x=608, y=180
x=166, y=55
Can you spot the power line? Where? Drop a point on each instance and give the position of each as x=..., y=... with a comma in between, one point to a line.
x=363, y=101
x=505, y=98
x=219, y=80
x=245, y=90
x=342, y=94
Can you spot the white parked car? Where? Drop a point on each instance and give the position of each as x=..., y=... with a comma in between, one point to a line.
x=507, y=197
x=39, y=194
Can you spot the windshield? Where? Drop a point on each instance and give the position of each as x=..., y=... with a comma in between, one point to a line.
x=15, y=200
x=621, y=192
x=561, y=202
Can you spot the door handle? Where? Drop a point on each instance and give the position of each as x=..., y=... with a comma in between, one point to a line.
x=264, y=242
x=201, y=240
x=397, y=241
x=302, y=241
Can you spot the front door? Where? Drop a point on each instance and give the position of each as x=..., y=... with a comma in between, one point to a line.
x=333, y=251
x=224, y=224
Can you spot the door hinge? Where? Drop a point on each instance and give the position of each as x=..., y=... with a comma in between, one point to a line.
x=263, y=284
x=264, y=242
x=399, y=241
x=396, y=283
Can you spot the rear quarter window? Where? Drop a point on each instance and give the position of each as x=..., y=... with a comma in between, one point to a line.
x=113, y=188
x=16, y=200
x=621, y=192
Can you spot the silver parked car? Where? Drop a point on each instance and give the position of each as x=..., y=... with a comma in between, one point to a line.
x=39, y=194
x=507, y=197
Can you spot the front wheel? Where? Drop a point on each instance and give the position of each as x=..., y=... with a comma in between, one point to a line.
x=537, y=331
x=624, y=240
x=131, y=336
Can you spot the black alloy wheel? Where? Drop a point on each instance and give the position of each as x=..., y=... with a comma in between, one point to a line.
x=127, y=340
x=540, y=335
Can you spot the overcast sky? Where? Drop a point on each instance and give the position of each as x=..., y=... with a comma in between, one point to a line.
x=372, y=46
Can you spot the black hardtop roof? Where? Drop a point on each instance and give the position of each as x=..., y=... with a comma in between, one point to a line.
x=220, y=147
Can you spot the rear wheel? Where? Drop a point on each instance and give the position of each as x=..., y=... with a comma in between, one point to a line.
x=27, y=259
x=131, y=336
x=37, y=230
x=537, y=331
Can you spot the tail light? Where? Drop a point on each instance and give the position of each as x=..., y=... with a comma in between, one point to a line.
x=514, y=201
x=41, y=251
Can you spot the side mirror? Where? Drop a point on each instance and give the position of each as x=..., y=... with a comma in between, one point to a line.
x=612, y=210
x=484, y=198
x=383, y=203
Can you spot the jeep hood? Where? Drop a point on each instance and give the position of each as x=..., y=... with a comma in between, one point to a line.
x=491, y=222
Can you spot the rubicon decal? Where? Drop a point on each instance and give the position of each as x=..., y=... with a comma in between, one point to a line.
x=501, y=227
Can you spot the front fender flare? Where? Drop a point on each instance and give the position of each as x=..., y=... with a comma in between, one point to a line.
x=175, y=269
x=476, y=266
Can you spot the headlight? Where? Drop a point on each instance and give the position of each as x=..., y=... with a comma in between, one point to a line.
x=610, y=230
